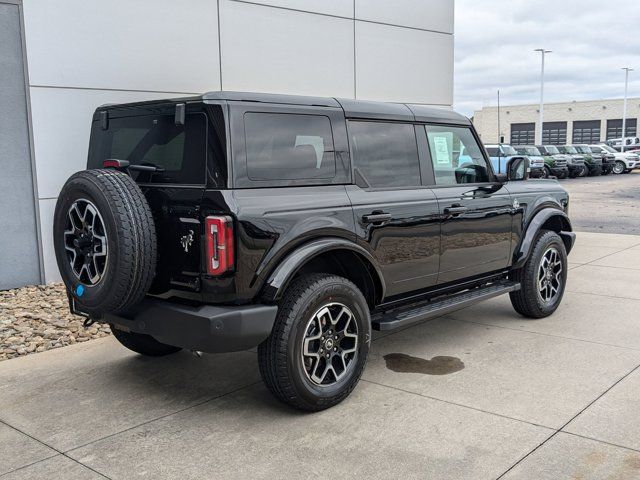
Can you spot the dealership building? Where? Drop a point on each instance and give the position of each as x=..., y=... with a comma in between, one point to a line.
x=60, y=59
x=564, y=123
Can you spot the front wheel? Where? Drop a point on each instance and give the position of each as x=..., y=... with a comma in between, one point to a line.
x=318, y=348
x=546, y=173
x=619, y=167
x=542, y=279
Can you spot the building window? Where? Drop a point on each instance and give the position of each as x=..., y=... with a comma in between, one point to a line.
x=587, y=132
x=523, y=133
x=554, y=133
x=614, y=128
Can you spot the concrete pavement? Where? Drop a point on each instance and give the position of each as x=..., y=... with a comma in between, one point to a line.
x=546, y=399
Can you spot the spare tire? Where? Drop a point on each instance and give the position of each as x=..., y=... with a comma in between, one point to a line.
x=105, y=241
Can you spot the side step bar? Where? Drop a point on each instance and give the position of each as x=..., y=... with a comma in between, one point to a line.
x=404, y=316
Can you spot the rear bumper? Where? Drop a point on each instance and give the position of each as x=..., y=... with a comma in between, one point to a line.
x=207, y=328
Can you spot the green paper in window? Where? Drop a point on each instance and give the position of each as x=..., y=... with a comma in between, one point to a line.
x=441, y=146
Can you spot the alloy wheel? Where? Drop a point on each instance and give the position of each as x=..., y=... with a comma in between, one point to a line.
x=618, y=167
x=550, y=275
x=330, y=344
x=85, y=240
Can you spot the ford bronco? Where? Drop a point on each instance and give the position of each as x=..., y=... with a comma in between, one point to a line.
x=227, y=221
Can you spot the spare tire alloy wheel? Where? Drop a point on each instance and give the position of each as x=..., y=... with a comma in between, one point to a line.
x=330, y=344
x=85, y=240
x=105, y=241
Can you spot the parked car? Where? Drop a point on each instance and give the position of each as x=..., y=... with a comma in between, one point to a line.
x=624, y=162
x=501, y=154
x=575, y=162
x=631, y=143
x=536, y=160
x=592, y=164
x=555, y=163
x=298, y=224
x=605, y=159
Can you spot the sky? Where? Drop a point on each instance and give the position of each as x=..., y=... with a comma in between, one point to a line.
x=591, y=41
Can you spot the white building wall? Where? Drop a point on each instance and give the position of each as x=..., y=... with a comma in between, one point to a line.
x=486, y=120
x=84, y=53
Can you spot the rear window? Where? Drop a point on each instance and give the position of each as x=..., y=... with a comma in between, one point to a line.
x=179, y=151
x=385, y=154
x=289, y=146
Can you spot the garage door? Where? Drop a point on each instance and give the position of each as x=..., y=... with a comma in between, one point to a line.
x=586, y=132
x=19, y=257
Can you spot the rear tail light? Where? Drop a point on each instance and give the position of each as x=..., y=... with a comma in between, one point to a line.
x=219, y=244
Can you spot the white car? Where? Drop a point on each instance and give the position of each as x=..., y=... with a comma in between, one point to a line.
x=625, y=162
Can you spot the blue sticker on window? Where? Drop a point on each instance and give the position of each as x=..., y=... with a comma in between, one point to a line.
x=80, y=290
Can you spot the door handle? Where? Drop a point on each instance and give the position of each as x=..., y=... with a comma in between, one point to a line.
x=455, y=210
x=380, y=217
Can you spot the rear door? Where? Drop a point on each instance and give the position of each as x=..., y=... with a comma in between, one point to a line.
x=476, y=210
x=396, y=216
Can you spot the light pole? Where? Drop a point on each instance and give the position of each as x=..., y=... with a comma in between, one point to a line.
x=541, y=119
x=624, y=106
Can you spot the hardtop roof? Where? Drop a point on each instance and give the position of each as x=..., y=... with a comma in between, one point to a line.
x=365, y=109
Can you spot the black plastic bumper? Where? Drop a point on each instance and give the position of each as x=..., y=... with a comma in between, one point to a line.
x=535, y=172
x=207, y=328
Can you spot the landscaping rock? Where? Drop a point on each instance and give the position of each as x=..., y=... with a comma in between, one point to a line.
x=36, y=318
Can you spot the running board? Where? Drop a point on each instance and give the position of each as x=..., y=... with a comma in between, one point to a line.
x=404, y=316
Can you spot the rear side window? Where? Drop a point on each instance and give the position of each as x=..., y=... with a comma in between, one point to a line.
x=179, y=151
x=385, y=154
x=289, y=146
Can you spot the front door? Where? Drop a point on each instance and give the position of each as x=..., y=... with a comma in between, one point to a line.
x=476, y=210
x=396, y=217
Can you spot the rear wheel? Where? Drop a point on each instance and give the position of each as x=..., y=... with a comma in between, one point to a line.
x=318, y=348
x=543, y=277
x=143, y=344
x=619, y=167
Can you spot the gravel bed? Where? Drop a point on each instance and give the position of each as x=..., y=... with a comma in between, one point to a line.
x=36, y=318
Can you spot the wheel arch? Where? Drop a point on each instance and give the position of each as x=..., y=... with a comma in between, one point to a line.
x=328, y=255
x=546, y=219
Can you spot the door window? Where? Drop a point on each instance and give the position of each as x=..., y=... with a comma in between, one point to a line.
x=456, y=156
x=385, y=154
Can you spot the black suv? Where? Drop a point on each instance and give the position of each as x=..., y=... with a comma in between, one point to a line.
x=228, y=221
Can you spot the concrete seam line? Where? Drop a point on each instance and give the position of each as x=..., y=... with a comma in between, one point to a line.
x=163, y=416
x=59, y=453
x=546, y=334
x=461, y=405
x=603, y=295
x=29, y=464
x=600, y=441
x=570, y=420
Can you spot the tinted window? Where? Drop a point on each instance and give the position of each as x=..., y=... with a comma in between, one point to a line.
x=385, y=154
x=155, y=140
x=289, y=146
x=493, y=151
x=456, y=156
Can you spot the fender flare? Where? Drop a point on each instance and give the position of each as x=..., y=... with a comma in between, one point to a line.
x=534, y=226
x=281, y=276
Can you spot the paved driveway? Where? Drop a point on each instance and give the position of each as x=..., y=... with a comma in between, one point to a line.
x=547, y=399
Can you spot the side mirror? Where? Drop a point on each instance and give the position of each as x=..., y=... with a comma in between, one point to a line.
x=518, y=169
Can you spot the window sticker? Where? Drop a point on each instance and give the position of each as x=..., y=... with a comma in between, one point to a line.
x=441, y=145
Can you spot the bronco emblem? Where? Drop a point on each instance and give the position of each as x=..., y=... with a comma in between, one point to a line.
x=187, y=241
